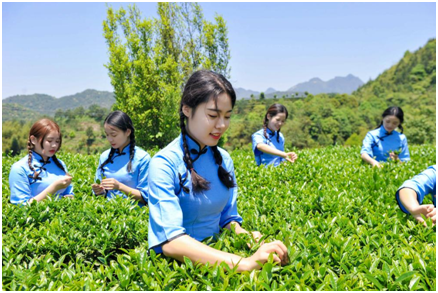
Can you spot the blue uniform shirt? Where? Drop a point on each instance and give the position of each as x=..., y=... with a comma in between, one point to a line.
x=22, y=185
x=423, y=184
x=378, y=143
x=264, y=158
x=172, y=212
x=117, y=169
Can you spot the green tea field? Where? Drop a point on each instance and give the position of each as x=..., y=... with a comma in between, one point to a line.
x=337, y=216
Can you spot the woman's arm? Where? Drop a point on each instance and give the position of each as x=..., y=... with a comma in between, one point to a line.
x=370, y=160
x=20, y=186
x=61, y=183
x=404, y=154
x=366, y=152
x=136, y=194
x=111, y=183
x=408, y=198
x=291, y=156
x=199, y=252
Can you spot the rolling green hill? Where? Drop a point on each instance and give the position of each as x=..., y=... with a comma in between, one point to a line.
x=328, y=119
x=47, y=105
x=13, y=111
x=415, y=73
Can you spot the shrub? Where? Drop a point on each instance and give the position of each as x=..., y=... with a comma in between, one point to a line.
x=337, y=216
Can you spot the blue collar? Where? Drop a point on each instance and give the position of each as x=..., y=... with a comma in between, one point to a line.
x=194, y=147
x=383, y=132
x=39, y=158
x=270, y=132
x=123, y=151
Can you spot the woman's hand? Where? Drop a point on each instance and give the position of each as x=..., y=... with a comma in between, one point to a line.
x=431, y=213
x=62, y=182
x=291, y=156
x=278, y=249
x=256, y=235
x=376, y=164
x=393, y=156
x=110, y=184
x=97, y=189
x=428, y=210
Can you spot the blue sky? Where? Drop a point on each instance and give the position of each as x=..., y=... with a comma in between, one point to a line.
x=59, y=49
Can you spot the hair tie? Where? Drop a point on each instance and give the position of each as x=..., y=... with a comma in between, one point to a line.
x=191, y=169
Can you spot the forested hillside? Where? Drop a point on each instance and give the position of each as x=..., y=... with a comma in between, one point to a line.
x=328, y=119
x=314, y=120
x=82, y=131
x=48, y=105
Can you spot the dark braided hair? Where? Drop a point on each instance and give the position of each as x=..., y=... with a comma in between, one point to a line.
x=202, y=86
x=122, y=121
x=273, y=111
x=40, y=130
x=393, y=111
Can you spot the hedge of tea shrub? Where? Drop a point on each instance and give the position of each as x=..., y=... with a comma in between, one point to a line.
x=337, y=216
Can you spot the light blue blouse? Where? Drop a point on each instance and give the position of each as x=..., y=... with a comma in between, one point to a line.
x=117, y=169
x=173, y=212
x=22, y=185
x=378, y=143
x=423, y=184
x=264, y=158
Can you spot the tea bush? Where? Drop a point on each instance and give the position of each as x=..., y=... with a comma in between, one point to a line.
x=337, y=216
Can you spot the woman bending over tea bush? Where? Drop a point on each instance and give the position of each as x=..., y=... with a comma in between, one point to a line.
x=411, y=194
x=40, y=172
x=192, y=185
x=385, y=142
x=268, y=142
x=123, y=168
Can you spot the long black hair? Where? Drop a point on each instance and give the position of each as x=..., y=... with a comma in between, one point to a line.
x=202, y=86
x=393, y=111
x=122, y=121
x=273, y=111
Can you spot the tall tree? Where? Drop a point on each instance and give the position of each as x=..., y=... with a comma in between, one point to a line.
x=150, y=59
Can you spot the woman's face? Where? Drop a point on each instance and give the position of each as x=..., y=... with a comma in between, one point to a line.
x=117, y=137
x=206, y=123
x=50, y=144
x=390, y=123
x=275, y=122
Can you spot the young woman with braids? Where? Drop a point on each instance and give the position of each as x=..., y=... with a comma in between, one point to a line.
x=384, y=142
x=268, y=142
x=40, y=172
x=192, y=185
x=122, y=169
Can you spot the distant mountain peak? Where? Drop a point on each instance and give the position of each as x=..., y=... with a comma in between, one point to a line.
x=270, y=90
x=338, y=84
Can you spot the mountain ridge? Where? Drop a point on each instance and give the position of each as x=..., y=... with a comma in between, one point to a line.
x=314, y=86
x=44, y=104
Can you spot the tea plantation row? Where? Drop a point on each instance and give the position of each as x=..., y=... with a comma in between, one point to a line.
x=337, y=216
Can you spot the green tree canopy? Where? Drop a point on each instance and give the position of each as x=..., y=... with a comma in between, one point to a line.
x=150, y=59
